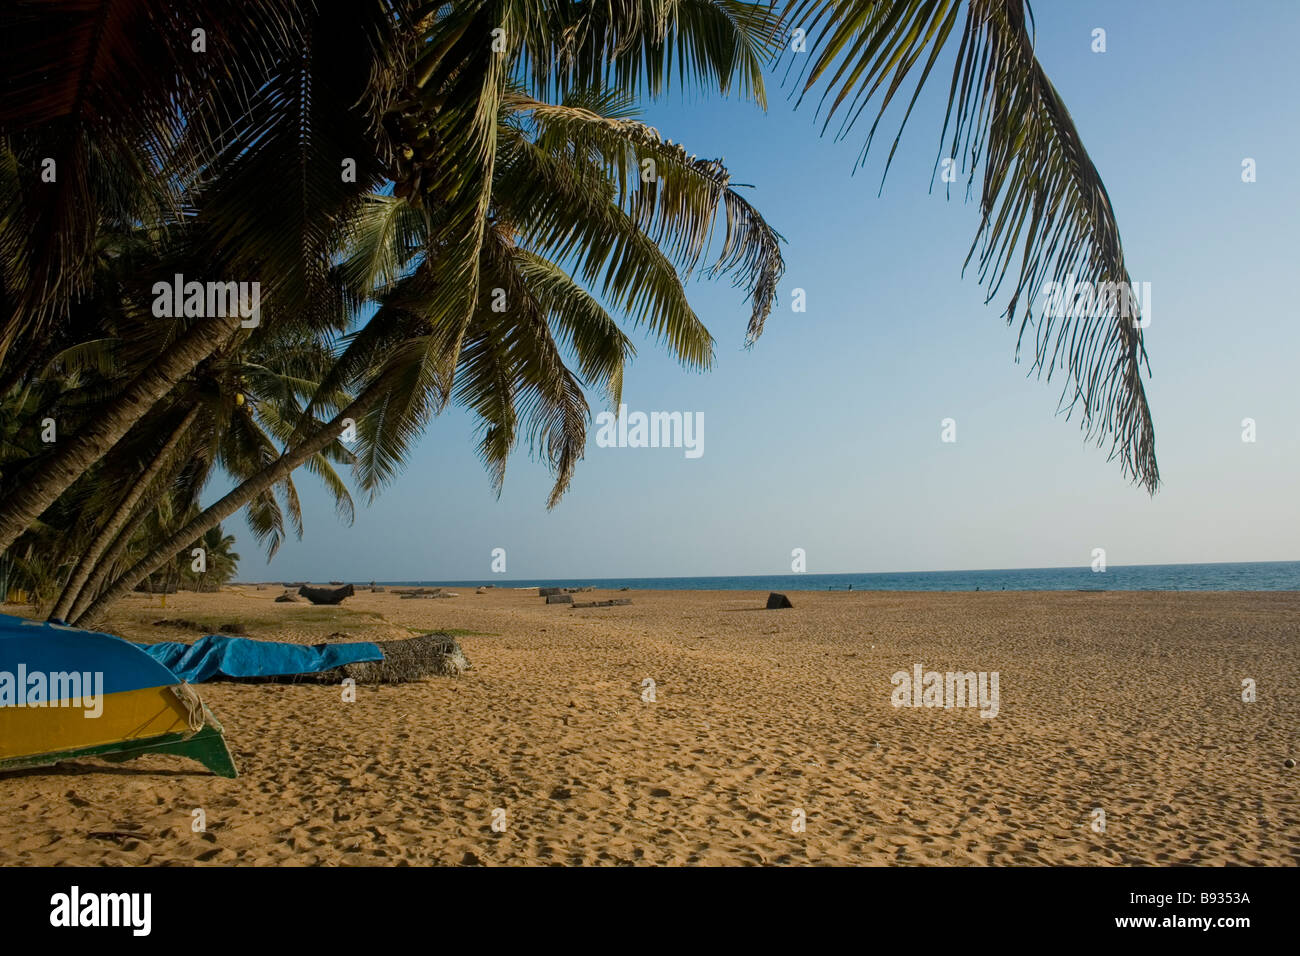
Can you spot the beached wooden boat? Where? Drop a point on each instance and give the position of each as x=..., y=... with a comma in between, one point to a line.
x=326, y=595
x=67, y=693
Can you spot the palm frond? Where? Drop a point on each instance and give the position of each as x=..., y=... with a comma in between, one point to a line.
x=674, y=198
x=581, y=323
x=638, y=45
x=1044, y=208
x=559, y=209
x=106, y=90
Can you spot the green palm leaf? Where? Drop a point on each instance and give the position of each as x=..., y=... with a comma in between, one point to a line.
x=1045, y=211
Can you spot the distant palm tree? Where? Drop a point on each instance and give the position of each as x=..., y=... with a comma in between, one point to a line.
x=220, y=561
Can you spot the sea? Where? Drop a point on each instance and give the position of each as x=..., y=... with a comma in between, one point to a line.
x=1247, y=576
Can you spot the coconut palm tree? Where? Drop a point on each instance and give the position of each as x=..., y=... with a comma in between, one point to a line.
x=243, y=138
x=242, y=407
x=443, y=94
x=220, y=413
x=569, y=199
x=285, y=94
x=223, y=415
x=220, y=562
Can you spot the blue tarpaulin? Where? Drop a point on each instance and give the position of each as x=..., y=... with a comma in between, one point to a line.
x=219, y=656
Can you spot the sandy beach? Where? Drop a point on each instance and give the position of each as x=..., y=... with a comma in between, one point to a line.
x=1128, y=703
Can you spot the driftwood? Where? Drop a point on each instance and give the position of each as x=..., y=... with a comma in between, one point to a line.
x=327, y=595
x=615, y=603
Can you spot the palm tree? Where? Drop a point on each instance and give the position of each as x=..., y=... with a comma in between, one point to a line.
x=723, y=68
x=220, y=562
x=567, y=190
x=264, y=140
x=491, y=149
x=141, y=127
x=223, y=414
x=120, y=514
x=242, y=406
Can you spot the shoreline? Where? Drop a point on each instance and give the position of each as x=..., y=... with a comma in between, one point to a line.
x=1204, y=576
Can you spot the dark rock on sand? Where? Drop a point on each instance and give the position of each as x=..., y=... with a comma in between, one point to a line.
x=775, y=600
x=559, y=599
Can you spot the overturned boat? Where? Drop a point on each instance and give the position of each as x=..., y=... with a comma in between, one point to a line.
x=67, y=693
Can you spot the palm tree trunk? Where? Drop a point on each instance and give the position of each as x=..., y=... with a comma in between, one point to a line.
x=121, y=515
x=104, y=567
x=77, y=453
x=275, y=472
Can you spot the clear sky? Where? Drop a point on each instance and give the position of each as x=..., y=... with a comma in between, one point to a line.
x=826, y=435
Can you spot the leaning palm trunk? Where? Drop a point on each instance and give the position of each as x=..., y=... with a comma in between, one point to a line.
x=105, y=566
x=78, y=453
x=121, y=515
x=273, y=473
x=34, y=358
x=112, y=561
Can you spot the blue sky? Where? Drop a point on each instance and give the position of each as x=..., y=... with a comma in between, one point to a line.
x=826, y=435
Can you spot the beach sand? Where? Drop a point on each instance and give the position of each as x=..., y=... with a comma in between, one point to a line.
x=1130, y=703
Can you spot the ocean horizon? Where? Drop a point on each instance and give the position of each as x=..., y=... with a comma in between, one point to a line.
x=1235, y=576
